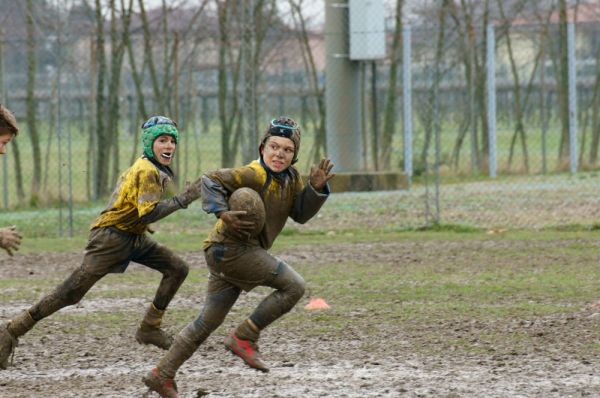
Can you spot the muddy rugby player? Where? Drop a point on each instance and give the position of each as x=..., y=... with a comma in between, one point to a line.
x=236, y=249
x=119, y=236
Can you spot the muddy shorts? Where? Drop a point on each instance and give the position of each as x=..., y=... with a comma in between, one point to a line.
x=110, y=250
x=244, y=266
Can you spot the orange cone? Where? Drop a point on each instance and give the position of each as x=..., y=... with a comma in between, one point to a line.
x=316, y=304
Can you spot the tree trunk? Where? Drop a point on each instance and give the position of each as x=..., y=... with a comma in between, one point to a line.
x=227, y=112
x=31, y=105
x=596, y=113
x=149, y=58
x=102, y=144
x=15, y=147
x=319, y=145
x=471, y=74
x=434, y=91
x=118, y=45
x=563, y=85
x=518, y=106
x=389, y=118
x=247, y=48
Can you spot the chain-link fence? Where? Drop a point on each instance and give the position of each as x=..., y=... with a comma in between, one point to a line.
x=493, y=114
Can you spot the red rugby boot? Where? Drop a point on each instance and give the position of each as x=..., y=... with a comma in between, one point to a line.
x=247, y=350
x=164, y=386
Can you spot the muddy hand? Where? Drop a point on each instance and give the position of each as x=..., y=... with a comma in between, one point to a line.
x=190, y=193
x=10, y=239
x=233, y=219
x=320, y=174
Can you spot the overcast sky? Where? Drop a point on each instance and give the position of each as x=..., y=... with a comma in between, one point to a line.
x=314, y=10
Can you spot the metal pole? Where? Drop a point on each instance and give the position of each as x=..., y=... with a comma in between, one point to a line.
x=59, y=128
x=342, y=92
x=375, y=132
x=572, y=96
x=491, y=99
x=407, y=102
x=70, y=178
x=472, y=113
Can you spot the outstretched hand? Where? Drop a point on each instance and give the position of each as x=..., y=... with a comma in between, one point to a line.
x=320, y=174
x=190, y=192
x=233, y=219
x=10, y=239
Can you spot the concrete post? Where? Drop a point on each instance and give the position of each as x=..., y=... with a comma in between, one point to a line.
x=342, y=91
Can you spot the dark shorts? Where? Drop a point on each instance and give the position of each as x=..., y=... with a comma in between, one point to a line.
x=245, y=266
x=110, y=250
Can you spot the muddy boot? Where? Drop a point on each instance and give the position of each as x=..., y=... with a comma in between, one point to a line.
x=242, y=342
x=150, y=332
x=161, y=378
x=9, y=333
x=165, y=387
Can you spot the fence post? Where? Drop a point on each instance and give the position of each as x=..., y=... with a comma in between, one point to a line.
x=407, y=102
x=491, y=99
x=572, y=96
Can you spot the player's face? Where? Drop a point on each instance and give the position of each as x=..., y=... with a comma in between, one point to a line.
x=164, y=149
x=278, y=153
x=5, y=138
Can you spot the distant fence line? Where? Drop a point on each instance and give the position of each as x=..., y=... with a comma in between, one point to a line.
x=457, y=148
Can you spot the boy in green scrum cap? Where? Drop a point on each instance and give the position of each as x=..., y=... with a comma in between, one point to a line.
x=240, y=261
x=10, y=239
x=118, y=236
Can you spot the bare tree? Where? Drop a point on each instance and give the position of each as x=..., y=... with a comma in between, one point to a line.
x=595, y=105
x=518, y=103
x=15, y=146
x=389, y=119
x=563, y=84
x=228, y=105
x=317, y=91
x=432, y=119
x=31, y=104
x=100, y=169
x=118, y=44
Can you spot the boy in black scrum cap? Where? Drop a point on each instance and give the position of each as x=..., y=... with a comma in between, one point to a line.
x=241, y=264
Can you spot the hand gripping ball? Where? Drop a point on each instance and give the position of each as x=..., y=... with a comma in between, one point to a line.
x=250, y=201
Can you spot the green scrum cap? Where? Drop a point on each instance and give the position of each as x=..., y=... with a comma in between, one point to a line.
x=154, y=127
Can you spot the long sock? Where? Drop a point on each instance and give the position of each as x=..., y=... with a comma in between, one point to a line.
x=21, y=324
x=181, y=350
x=247, y=330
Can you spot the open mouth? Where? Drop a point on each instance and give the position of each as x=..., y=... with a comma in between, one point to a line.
x=166, y=155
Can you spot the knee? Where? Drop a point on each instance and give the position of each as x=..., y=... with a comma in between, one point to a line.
x=298, y=288
x=180, y=269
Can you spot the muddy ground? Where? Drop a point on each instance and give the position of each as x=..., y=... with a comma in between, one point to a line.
x=404, y=357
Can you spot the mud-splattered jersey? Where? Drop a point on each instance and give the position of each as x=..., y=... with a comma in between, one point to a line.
x=284, y=195
x=138, y=191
